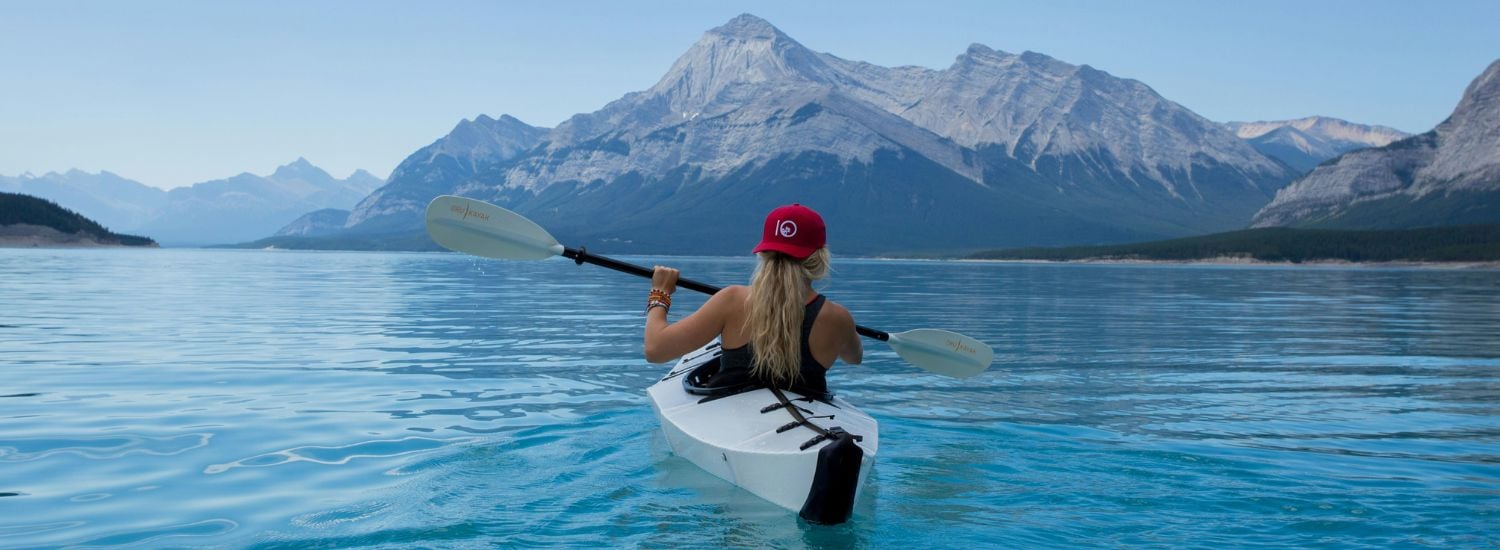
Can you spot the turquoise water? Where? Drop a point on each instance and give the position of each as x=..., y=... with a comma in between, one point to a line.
x=286, y=399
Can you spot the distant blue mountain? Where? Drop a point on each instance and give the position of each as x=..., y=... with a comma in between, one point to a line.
x=231, y=210
x=1307, y=142
x=247, y=206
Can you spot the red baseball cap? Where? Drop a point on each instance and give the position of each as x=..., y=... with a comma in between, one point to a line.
x=794, y=230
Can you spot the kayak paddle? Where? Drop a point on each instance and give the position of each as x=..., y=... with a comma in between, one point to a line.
x=483, y=229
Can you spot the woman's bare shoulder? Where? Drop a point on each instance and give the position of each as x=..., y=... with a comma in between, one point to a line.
x=733, y=291
x=836, y=311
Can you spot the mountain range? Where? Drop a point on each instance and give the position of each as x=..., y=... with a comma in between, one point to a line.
x=230, y=210
x=1447, y=176
x=998, y=149
x=1305, y=143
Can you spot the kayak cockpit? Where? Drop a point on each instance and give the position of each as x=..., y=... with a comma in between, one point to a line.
x=704, y=379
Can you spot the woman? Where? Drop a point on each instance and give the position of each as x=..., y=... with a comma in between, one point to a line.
x=777, y=331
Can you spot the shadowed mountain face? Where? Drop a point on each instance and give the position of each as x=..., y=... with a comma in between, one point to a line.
x=471, y=147
x=996, y=150
x=1307, y=142
x=318, y=223
x=1447, y=176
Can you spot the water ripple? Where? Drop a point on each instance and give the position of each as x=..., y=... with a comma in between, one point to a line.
x=158, y=535
x=334, y=455
x=100, y=447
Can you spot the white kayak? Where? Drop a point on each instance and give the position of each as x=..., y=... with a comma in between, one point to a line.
x=750, y=439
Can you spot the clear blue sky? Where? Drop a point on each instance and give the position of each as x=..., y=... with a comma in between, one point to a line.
x=175, y=92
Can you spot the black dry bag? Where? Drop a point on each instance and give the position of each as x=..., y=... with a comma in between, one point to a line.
x=831, y=498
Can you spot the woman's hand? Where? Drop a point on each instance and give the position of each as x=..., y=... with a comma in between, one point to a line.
x=664, y=278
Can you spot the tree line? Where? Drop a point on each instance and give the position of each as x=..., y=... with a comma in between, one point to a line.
x=1467, y=243
x=16, y=209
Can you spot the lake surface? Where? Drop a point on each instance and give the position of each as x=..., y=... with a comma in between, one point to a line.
x=285, y=399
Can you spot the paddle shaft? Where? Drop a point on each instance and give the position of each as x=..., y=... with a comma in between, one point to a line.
x=581, y=256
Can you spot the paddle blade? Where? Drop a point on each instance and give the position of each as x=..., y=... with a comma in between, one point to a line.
x=483, y=229
x=942, y=352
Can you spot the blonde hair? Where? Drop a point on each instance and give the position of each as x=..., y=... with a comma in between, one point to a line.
x=776, y=308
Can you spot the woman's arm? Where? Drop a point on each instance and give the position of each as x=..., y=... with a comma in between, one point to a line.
x=853, y=350
x=666, y=341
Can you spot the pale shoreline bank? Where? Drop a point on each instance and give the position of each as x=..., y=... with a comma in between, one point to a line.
x=36, y=236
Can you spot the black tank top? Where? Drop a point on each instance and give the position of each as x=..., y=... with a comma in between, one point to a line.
x=734, y=364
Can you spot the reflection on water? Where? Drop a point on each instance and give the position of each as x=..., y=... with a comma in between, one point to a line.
x=287, y=399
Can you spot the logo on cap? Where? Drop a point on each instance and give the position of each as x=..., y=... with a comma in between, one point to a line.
x=787, y=228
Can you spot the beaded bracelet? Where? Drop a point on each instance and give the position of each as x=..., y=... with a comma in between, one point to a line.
x=658, y=298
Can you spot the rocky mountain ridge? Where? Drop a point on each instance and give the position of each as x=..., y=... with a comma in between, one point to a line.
x=1447, y=176
x=996, y=149
x=472, y=146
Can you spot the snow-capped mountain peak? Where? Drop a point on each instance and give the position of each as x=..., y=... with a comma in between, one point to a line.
x=746, y=50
